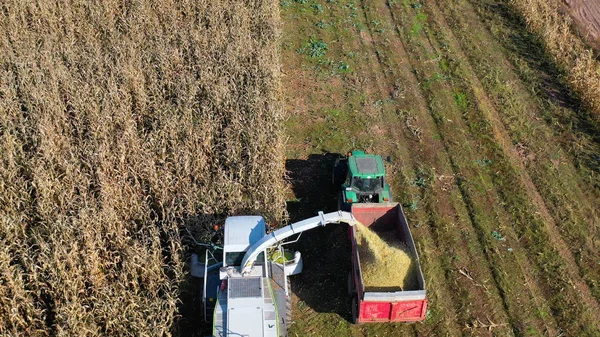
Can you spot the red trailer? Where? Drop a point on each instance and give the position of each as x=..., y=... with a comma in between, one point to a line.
x=375, y=305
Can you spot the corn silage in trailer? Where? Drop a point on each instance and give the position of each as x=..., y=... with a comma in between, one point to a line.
x=122, y=124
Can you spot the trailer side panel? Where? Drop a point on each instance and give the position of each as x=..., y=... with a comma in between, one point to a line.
x=381, y=306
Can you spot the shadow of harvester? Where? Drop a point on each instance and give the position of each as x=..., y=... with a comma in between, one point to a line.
x=322, y=285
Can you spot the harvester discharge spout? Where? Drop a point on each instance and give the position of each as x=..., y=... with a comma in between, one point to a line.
x=273, y=238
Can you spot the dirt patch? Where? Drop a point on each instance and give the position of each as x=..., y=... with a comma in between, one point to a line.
x=586, y=15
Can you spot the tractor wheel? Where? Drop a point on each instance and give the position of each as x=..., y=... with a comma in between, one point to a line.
x=350, y=284
x=339, y=173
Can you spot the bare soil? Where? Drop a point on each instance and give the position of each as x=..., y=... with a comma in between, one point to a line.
x=587, y=16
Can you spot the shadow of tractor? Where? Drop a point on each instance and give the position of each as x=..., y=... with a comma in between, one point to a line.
x=323, y=284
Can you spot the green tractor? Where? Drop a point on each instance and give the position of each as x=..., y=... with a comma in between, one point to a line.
x=362, y=179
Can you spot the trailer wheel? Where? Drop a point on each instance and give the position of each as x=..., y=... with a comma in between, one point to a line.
x=350, y=285
x=355, y=309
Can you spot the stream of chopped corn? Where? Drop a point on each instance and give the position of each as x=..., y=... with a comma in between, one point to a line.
x=384, y=261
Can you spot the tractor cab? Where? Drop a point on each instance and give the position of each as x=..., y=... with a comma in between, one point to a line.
x=362, y=179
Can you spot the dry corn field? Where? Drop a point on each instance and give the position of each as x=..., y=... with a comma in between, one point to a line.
x=124, y=124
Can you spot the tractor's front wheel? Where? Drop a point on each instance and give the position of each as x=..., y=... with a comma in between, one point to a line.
x=340, y=169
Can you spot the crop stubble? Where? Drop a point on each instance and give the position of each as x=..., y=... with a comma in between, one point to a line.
x=455, y=168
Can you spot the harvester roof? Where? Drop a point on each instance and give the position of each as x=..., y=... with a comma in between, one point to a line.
x=241, y=232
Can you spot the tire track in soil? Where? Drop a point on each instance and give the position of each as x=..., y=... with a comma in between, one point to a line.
x=368, y=43
x=503, y=139
x=528, y=278
x=342, y=43
x=573, y=200
x=401, y=50
x=384, y=88
x=377, y=79
x=374, y=74
x=456, y=172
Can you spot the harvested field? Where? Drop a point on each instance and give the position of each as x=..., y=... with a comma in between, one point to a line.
x=494, y=158
x=122, y=124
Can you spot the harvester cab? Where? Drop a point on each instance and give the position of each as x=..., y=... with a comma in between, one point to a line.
x=362, y=179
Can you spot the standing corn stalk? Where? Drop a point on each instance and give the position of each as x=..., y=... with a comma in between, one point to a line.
x=120, y=122
x=547, y=20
